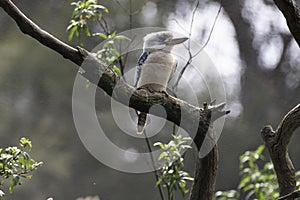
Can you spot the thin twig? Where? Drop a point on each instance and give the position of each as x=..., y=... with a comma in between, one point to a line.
x=153, y=163
x=192, y=23
x=183, y=70
x=191, y=56
x=212, y=29
x=130, y=14
x=103, y=24
x=126, y=55
x=130, y=27
x=121, y=6
x=177, y=22
x=188, y=47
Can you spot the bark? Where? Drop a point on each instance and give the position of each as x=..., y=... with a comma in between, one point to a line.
x=292, y=15
x=277, y=143
x=206, y=169
x=205, y=176
x=33, y=30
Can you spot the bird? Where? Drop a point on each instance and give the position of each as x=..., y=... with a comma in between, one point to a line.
x=155, y=66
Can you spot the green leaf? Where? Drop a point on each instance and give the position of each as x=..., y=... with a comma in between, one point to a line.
x=269, y=166
x=188, y=178
x=100, y=35
x=28, y=177
x=177, y=153
x=72, y=24
x=15, y=181
x=106, y=45
x=116, y=70
x=86, y=30
x=2, y=194
x=115, y=52
x=162, y=155
x=88, y=84
x=71, y=35
x=186, y=146
x=186, y=138
x=171, y=144
x=161, y=145
x=121, y=37
x=244, y=158
x=244, y=182
x=100, y=7
x=113, y=34
x=25, y=142
x=36, y=165
x=22, y=161
x=248, y=187
x=260, y=149
x=159, y=181
x=6, y=158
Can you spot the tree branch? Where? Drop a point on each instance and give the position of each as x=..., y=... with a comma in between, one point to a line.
x=33, y=30
x=293, y=195
x=205, y=176
x=292, y=15
x=277, y=144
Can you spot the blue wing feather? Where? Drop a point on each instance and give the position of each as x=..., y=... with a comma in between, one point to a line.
x=139, y=66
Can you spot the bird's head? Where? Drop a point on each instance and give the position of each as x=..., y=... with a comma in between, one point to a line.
x=162, y=40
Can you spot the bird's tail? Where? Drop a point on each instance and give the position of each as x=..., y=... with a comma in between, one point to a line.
x=141, y=122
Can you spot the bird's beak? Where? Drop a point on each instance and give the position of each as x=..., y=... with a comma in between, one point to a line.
x=176, y=41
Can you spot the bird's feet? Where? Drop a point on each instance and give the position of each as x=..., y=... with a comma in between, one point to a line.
x=146, y=88
x=151, y=90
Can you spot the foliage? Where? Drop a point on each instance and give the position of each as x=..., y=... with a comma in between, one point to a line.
x=172, y=175
x=84, y=11
x=16, y=163
x=109, y=54
x=227, y=195
x=256, y=182
x=90, y=10
x=89, y=198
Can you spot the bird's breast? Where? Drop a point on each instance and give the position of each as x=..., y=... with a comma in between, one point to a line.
x=156, y=71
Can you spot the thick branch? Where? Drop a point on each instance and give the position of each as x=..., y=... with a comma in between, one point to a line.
x=33, y=30
x=292, y=15
x=205, y=176
x=206, y=171
x=277, y=144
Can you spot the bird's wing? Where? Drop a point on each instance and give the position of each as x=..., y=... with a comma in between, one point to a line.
x=139, y=66
x=173, y=71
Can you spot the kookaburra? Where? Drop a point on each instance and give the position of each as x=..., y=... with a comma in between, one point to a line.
x=155, y=66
